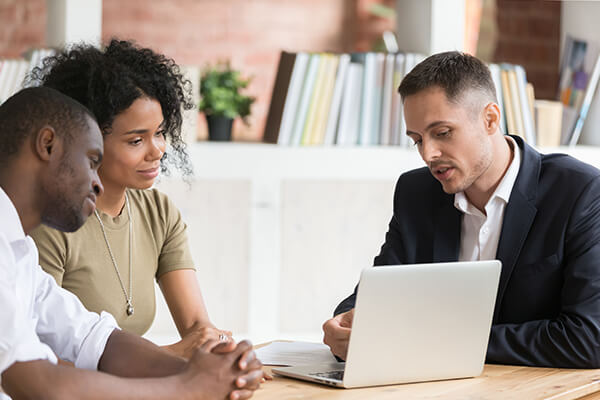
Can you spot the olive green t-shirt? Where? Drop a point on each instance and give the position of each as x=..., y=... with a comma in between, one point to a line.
x=80, y=261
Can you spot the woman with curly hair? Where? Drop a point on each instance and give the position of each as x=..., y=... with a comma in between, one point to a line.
x=136, y=234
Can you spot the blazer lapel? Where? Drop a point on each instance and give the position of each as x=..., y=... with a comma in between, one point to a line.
x=446, y=238
x=518, y=217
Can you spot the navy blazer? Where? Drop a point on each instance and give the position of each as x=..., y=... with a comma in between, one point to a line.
x=547, y=310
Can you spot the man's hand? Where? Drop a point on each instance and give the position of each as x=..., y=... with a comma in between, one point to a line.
x=245, y=360
x=337, y=333
x=225, y=370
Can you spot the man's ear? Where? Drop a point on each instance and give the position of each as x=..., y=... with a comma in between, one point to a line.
x=45, y=143
x=491, y=118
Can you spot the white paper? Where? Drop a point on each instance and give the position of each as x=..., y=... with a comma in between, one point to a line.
x=294, y=353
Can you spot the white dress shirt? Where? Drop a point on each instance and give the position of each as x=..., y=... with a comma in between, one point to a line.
x=480, y=232
x=38, y=319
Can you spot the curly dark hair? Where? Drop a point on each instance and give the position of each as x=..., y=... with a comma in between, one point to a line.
x=109, y=80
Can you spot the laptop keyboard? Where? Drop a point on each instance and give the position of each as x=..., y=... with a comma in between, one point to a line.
x=337, y=375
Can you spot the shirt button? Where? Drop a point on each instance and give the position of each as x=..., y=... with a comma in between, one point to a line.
x=485, y=230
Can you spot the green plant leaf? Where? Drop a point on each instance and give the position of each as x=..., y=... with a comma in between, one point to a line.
x=220, y=92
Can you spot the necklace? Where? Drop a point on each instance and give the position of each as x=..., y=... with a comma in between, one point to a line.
x=128, y=297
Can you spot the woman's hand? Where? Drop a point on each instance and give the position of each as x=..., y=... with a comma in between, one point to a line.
x=195, y=337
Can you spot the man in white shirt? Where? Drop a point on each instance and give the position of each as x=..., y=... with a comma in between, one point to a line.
x=486, y=196
x=50, y=150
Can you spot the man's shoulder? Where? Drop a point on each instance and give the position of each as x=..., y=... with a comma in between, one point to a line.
x=418, y=176
x=567, y=170
x=419, y=189
x=419, y=180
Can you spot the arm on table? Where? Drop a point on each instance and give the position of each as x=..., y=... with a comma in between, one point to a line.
x=207, y=375
x=184, y=298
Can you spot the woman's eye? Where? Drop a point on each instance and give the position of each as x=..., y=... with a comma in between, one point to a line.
x=160, y=133
x=136, y=141
x=444, y=133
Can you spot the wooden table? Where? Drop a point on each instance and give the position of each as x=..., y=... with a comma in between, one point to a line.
x=499, y=382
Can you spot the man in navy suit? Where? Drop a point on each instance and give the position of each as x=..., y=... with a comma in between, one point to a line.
x=484, y=195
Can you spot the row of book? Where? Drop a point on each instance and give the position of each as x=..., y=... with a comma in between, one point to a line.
x=516, y=100
x=352, y=99
x=14, y=71
x=338, y=99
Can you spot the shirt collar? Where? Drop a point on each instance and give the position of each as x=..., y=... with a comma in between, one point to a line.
x=11, y=226
x=505, y=186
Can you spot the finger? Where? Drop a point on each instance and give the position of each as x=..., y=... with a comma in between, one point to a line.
x=250, y=381
x=209, y=345
x=224, y=347
x=241, y=348
x=246, y=358
x=347, y=318
x=241, y=394
x=253, y=365
x=330, y=324
x=341, y=333
x=267, y=376
x=340, y=350
x=226, y=333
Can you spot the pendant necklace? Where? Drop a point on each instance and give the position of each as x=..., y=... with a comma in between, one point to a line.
x=128, y=297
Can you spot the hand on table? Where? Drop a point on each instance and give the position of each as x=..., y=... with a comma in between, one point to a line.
x=337, y=333
x=195, y=338
x=223, y=370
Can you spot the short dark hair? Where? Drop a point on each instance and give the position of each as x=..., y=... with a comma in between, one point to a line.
x=109, y=80
x=452, y=71
x=29, y=110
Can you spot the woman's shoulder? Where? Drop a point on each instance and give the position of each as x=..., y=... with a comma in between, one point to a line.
x=152, y=202
x=46, y=237
x=43, y=233
x=150, y=197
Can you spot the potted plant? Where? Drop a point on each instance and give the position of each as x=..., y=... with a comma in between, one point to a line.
x=221, y=100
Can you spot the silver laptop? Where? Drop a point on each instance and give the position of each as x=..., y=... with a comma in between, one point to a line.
x=414, y=323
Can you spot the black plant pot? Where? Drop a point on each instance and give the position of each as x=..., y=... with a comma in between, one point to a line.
x=219, y=128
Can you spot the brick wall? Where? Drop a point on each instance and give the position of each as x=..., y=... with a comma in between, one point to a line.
x=22, y=26
x=529, y=34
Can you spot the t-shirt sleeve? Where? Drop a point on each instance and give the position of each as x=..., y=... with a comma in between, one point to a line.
x=52, y=249
x=175, y=252
x=18, y=339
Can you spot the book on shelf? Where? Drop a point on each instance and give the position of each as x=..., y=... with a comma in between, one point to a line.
x=336, y=100
x=578, y=82
x=385, y=129
x=282, y=89
x=305, y=97
x=582, y=111
x=347, y=133
x=352, y=99
x=515, y=99
x=548, y=115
